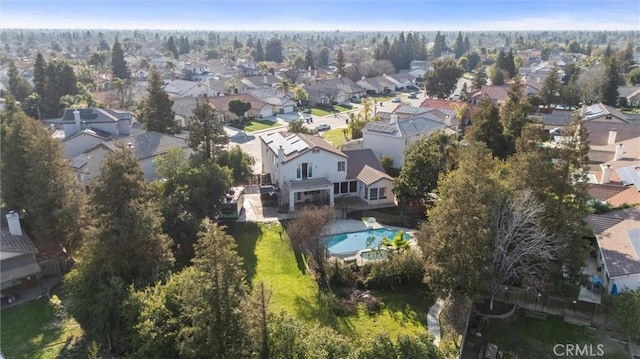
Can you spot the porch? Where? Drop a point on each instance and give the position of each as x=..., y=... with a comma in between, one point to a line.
x=592, y=288
x=317, y=191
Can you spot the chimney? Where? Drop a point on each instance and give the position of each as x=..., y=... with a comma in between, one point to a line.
x=264, y=79
x=13, y=219
x=76, y=117
x=280, y=154
x=606, y=174
x=612, y=136
x=394, y=119
x=619, y=153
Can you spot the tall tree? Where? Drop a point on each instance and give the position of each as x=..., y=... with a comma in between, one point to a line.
x=259, y=53
x=514, y=114
x=239, y=162
x=487, y=128
x=273, y=50
x=340, y=64
x=479, y=78
x=612, y=81
x=18, y=86
x=308, y=60
x=206, y=131
x=441, y=81
x=60, y=81
x=39, y=75
x=550, y=92
x=154, y=111
x=171, y=47
x=125, y=248
x=119, y=66
x=37, y=181
x=458, y=46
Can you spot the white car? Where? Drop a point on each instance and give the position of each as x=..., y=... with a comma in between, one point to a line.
x=395, y=100
x=323, y=127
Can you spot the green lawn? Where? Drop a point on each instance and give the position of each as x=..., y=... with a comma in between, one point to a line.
x=269, y=258
x=335, y=136
x=254, y=125
x=380, y=98
x=39, y=329
x=320, y=111
x=342, y=108
x=523, y=337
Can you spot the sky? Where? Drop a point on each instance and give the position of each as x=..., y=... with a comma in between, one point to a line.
x=323, y=15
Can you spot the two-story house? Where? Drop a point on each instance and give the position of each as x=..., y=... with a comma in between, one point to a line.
x=308, y=169
x=86, y=127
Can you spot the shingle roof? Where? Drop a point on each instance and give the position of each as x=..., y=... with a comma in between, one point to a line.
x=360, y=158
x=369, y=175
x=222, y=102
x=94, y=115
x=297, y=144
x=598, y=110
x=149, y=144
x=270, y=96
x=599, y=131
x=616, y=231
x=11, y=243
x=603, y=192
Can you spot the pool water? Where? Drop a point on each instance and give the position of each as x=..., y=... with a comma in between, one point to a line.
x=356, y=241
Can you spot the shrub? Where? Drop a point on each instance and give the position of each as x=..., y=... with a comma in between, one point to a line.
x=405, y=268
x=340, y=274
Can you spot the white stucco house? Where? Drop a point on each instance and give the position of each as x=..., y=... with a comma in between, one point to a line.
x=391, y=138
x=618, y=254
x=308, y=169
x=83, y=128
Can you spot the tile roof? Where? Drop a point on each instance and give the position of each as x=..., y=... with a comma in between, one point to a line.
x=369, y=175
x=494, y=92
x=602, y=192
x=630, y=196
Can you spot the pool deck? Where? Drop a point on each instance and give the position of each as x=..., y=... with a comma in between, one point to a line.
x=352, y=225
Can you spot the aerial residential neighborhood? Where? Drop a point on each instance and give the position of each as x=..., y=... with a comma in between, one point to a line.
x=406, y=181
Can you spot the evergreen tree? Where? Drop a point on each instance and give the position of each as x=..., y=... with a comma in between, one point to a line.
x=612, y=79
x=340, y=64
x=154, y=111
x=206, y=132
x=39, y=75
x=308, y=60
x=171, y=47
x=125, y=248
x=273, y=50
x=239, y=162
x=437, y=49
x=60, y=81
x=479, y=78
x=18, y=86
x=514, y=114
x=459, y=47
x=259, y=53
x=441, y=81
x=183, y=45
x=119, y=66
x=487, y=128
x=551, y=88
x=37, y=181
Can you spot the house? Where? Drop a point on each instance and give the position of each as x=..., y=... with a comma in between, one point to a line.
x=183, y=108
x=629, y=96
x=280, y=104
x=404, y=111
x=420, y=65
x=333, y=91
x=448, y=109
x=602, y=113
x=18, y=265
x=183, y=88
x=377, y=85
x=115, y=123
x=402, y=80
x=260, y=82
x=391, y=138
x=259, y=108
x=496, y=93
x=618, y=237
x=83, y=140
x=139, y=73
x=308, y=169
x=146, y=148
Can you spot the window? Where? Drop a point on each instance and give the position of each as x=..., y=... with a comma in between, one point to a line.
x=336, y=188
x=344, y=187
x=298, y=172
x=309, y=170
x=298, y=196
x=366, y=192
x=353, y=186
x=373, y=194
x=382, y=193
x=341, y=166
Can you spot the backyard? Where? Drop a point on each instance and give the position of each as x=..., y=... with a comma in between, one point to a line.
x=523, y=337
x=335, y=136
x=269, y=258
x=40, y=329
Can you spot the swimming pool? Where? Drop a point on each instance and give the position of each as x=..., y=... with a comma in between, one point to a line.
x=355, y=241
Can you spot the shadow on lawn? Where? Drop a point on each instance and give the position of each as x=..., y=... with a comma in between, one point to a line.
x=323, y=311
x=246, y=235
x=297, y=251
x=406, y=306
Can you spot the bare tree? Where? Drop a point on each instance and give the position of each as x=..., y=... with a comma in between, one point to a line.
x=522, y=248
x=331, y=93
x=590, y=82
x=377, y=68
x=308, y=231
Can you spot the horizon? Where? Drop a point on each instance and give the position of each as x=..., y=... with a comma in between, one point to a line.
x=327, y=15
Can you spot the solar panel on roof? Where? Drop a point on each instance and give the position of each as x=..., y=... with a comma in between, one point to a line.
x=378, y=127
x=629, y=176
x=634, y=238
x=593, y=110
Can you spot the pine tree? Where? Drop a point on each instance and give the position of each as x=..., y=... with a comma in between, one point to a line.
x=609, y=92
x=479, y=78
x=340, y=64
x=550, y=88
x=487, y=128
x=171, y=47
x=514, y=115
x=308, y=60
x=206, y=132
x=437, y=49
x=60, y=81
x=259, y=53
x=125, y=248
x=39, y=75
x=37, y=180
x=154, y=111
x=119, y=66
x=459, y=47
x=18, y=86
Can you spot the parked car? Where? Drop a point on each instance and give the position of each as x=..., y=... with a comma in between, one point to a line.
x=413, y=95
x=323, y=127
x=396, y=100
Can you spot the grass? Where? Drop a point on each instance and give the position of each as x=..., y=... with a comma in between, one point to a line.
x=269, y=258
x=523, y=337
x=325, y=110
x=335, y=136
x=256, y=125
x=39, y=329
x=631, y=111
x=342, y=108
x=381, y=98
x=320, y=111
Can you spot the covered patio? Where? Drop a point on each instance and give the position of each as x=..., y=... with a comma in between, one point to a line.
x=316, y=191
